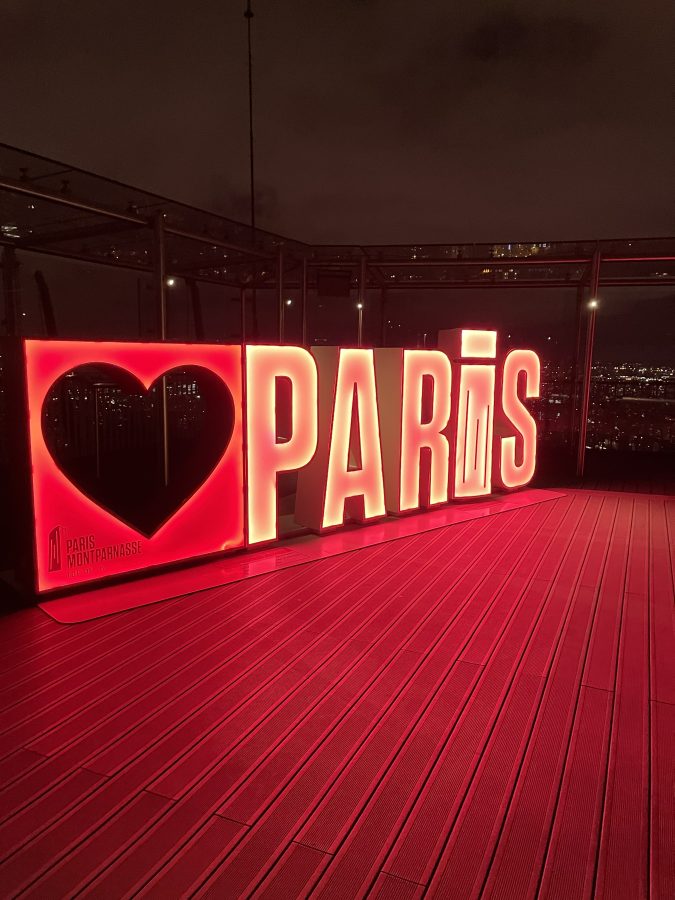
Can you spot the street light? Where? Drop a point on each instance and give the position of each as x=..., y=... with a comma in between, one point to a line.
x=359, y=307
x=283, y=305
x=170, y=282
x=586, y=387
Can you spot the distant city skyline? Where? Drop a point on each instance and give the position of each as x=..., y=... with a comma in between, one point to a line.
x=632, y=407
x=634, y=324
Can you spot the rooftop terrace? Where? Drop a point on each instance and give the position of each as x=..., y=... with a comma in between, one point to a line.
x=486, y=709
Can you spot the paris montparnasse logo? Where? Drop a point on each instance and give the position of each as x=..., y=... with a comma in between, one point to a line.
x=55, y=549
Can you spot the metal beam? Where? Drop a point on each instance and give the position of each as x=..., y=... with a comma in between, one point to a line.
x=530, y=283
x=486, y=262
x=139, y=221
x=72, y=234
x=495, y=263
x=472, y=285
x=217, y=242
x=17, y=187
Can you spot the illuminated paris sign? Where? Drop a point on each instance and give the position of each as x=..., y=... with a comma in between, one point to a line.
x=367, y=433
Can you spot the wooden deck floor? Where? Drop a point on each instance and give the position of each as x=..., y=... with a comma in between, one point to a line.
x=484, y=710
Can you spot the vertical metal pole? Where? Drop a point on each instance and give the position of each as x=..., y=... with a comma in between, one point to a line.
x=195, y=300
x=160, y=288
x=383, y=317
x=303, y=302
x=10, y=289
x=362, y=298
x=248, y=15
x=138, y=306
x=280, y=294
x=588, y=364
x=97, y=435
x=46, y=304
x=574, y=381
x=160, y=274
x=242, y=312
x=595, y=274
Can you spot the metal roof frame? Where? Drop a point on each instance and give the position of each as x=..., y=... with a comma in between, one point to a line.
x=49, y=207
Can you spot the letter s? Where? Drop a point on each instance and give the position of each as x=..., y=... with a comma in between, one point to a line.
x=516, y=451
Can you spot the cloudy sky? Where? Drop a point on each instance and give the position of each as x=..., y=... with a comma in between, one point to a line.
x=376, y=120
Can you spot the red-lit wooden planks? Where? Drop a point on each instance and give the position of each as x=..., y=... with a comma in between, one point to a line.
x=483, y=710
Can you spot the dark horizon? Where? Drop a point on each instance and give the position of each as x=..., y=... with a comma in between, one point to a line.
x=373, y=122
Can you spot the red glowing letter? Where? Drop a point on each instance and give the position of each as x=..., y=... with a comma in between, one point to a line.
x=475, y=412
x=416, y=434
x=266, y=454
x=344, y=478
x=474, y=405
x=516, y=418
x=355, y=382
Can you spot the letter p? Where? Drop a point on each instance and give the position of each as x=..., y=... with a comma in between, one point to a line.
x=267, y=453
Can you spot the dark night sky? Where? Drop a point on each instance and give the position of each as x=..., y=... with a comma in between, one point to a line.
x=376, y=121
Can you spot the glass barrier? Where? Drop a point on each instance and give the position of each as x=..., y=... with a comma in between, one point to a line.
x=97, y=424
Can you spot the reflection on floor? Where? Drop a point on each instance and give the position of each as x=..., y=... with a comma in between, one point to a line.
x=99, y=599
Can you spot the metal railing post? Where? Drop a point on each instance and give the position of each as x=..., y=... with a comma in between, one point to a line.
x=159, y=265
x=10, y=289
x=303, y=302
x=160, y=288
x=588, y=363
x=242, y=312
x=280, y=295
x=361, y=301
x=574, y=379
x=383, y=317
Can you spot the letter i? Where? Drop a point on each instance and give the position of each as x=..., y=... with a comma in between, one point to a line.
x=472, y=354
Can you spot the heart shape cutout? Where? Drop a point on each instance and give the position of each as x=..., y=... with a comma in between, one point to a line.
x=105, y=432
